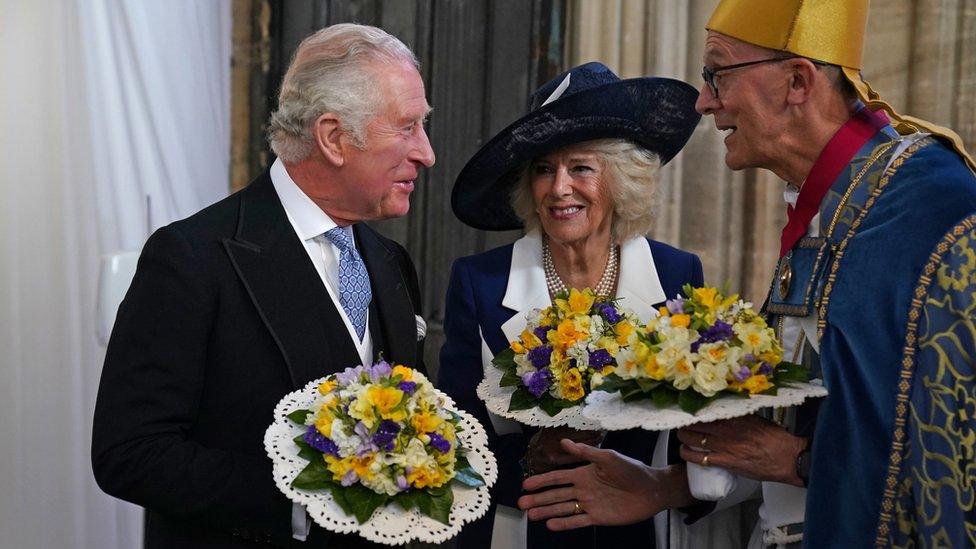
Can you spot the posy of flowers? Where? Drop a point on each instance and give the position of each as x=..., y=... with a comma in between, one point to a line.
x=381, y=434
x=699, y=348
x=564, y=350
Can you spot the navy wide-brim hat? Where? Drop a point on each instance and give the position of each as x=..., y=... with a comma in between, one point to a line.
x=587, y=102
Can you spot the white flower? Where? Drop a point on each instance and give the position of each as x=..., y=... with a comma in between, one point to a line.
x=347, y=443
x=523, y=365
x=580, y=354
x=710, y=377
x=627, y=366
x=597, y=325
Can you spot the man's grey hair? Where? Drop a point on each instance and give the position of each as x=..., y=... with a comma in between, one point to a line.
x=630, y=171
x=333, y=71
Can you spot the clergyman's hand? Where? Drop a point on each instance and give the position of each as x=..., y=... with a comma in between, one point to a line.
x=749, y=446
x=612, y=489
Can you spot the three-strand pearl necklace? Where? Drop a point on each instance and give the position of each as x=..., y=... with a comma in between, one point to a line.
x=604, y=287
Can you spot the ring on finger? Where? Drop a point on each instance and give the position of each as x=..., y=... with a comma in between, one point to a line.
x=705, y=461
x=577, y=509
x=703, y=442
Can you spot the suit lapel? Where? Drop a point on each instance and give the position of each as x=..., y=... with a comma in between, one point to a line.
x=286, y=289
x=390, y=297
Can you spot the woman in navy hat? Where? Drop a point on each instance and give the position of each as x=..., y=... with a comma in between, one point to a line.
x=578, y=173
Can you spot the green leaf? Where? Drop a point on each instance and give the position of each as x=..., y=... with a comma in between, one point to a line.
x=409, y=499
x=553, y=406
x=505, y=359
x=510, y=379
x=613, y=383
x=362, y=501
x=664, y=397
x=522, y=399
x=789, y=372
x=315, y=476
x=440, y=503
x=470, y=476
x=691, y=401
x=299, y=416
x=647, y=385
x=635, y=395
x=305, y=451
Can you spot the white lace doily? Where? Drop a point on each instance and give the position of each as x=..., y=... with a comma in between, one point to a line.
x=612, y=413
x=497, y=398
x=389, y=524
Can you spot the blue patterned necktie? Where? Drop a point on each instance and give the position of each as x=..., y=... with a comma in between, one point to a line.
x=354, y=292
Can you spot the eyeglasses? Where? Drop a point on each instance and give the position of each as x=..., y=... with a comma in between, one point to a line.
x=709, y=74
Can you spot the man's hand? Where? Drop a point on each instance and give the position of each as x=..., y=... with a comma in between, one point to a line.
x=612, y=490
x=749, y=446
x=544, y=452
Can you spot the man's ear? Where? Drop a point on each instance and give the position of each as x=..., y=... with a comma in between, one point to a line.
x=803, y=75
x=328, y=138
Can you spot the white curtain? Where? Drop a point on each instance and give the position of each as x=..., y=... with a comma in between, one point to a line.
x=102, y=103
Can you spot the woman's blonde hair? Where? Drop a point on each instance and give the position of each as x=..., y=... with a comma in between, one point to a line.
x=630, y=171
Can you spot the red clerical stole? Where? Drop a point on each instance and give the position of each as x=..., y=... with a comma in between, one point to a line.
x=836, y=155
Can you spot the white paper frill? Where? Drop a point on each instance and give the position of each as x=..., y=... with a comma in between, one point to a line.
x=610, y=411
x=390, y=524
x=497, y=398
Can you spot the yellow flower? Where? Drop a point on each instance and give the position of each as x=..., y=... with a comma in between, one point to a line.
x=610, y=344
x=652, y=368
x=706, y=296
x=362, y=409
x=384, y=398
x=756, y=384
x=681, y=320
x=580, y=302
x=518, y=348
x=426, y=422
x=406, y=374
x=663, y=310
x=529, y=339
x=323, y=423
x=571, y=385
x=623, y=329
x=427, y=477
x=327, y=386
x=339, y=467
x=772, y=356
x=607, y=370
x=566, y=334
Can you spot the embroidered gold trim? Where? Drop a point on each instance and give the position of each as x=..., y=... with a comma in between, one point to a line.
x=906, y=375
x=856, y=224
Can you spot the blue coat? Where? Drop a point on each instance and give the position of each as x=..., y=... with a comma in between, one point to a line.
x=487, y=299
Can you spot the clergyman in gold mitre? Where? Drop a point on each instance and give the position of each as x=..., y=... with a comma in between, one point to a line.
x=830, y=31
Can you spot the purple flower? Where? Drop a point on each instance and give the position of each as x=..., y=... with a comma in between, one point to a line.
x=367, y=445
x=401, y=482
x=407, y=387
x=541, y=332
x=610, y=313
x=600, y=357
x=742, y=373
x=320, y=442
x=349, y=375
x=721, y=331
x=675, y=306
x=538, y=382
x=386, y=435
x=765, y=369
x=349, y=478
x=749, y=357
x=379, y=370
x=539, y=356
x=439, y=443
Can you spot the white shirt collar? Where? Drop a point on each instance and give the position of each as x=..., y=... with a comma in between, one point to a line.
x=305, y=216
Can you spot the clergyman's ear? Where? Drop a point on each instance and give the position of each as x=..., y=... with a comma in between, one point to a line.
x=328, y=138
x=803, y=73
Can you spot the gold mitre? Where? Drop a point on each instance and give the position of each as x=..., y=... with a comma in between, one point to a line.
x=831, y=31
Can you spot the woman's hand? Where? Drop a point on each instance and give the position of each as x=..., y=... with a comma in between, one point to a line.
x=545, y=454
x=612, y=490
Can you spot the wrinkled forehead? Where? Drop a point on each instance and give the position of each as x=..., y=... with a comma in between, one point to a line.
x=721, y=49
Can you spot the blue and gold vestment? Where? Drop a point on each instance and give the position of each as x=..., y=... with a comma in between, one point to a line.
x=892, y=281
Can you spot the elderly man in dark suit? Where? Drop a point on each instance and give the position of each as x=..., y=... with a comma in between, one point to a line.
x=262, y=292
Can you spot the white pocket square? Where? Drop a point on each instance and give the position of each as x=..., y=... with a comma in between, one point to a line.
x=421, y=327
